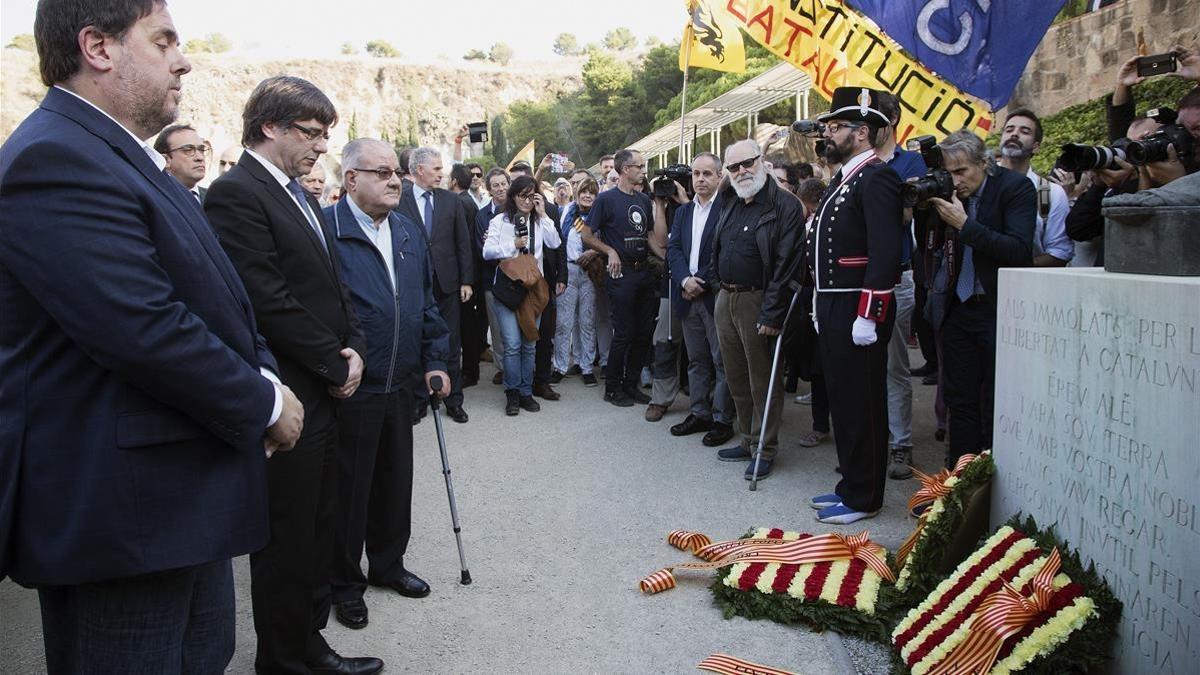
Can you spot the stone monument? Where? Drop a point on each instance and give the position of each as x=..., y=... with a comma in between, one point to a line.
x=1097, y=432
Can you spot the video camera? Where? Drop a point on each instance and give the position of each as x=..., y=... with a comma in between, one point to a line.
x=809, y=128
x=664, y=182
x=1153, y=148
x=937, y=182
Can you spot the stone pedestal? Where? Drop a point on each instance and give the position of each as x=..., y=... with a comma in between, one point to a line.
x=1163, y=240
x=1097, y=432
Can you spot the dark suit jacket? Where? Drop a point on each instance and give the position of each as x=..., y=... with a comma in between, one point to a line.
x=132, y=408
x=1001, y=235
x=203, y=193
x=450, y=245
x=679, y=251
x=303, y=309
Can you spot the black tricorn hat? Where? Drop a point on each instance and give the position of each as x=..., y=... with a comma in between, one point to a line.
x=855, y=104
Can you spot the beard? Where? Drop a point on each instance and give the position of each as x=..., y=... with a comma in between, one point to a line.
x=1014, y=150
x=837, y=153
x=150, y=108
x=748, y=188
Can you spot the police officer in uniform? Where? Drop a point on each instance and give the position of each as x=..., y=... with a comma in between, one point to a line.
x=852, y=253
x=619, y=226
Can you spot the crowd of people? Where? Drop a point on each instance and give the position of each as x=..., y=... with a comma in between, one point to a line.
x=193, y=374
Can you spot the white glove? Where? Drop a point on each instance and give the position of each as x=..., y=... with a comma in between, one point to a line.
x=863, y=332
x=814, y=320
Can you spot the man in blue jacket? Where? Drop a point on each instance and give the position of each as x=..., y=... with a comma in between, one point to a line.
x=689, y=251
x=137, y=402
x=386, y=269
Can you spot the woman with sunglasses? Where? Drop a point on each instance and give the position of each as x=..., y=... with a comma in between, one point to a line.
x=523, y=203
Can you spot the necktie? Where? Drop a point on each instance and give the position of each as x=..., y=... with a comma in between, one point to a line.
x=293, y=186
x=965, y=287
x=427, y=215
x=197, y=196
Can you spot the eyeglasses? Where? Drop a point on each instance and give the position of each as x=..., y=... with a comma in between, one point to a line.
x=309, y=133
x=635, y=166
x=744, y=164
x=384, y=174
x=190, y=150
x=834, y=127
x=525, y=195
x=476, y=175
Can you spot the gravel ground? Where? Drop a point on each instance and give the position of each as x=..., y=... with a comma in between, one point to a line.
x=563, y=511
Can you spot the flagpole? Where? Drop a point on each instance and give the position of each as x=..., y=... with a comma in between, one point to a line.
x=687, y=57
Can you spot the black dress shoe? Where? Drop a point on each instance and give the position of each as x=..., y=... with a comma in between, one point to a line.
x=457, y=413
x=691, y=425
x=638, y=395
x=351, y=613
x=340, y=665
x=407, y=584
x=544, y=390
x=927, y=369
x=419, y=414
x=498, y=378
x=718, y=435
x=929, y=379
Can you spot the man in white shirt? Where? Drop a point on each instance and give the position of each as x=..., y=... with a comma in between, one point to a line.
x=1019, y=142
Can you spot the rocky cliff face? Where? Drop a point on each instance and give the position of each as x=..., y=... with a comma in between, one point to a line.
x=376, y=97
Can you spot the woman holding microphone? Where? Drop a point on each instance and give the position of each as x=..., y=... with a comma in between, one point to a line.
x=522, y=228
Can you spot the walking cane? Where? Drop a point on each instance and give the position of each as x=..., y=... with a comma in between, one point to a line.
x=762, y=432
x=435, y=383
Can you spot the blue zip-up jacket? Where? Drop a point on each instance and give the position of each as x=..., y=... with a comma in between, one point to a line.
x=406, y=336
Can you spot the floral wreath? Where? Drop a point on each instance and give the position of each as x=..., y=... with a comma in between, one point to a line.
x=1018, y=603
x=826, y=581
x=945, y=496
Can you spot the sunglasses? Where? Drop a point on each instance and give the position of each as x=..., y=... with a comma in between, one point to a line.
x=476, y=175
x=744, y=164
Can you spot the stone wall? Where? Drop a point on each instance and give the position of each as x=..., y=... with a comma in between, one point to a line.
x=1077, y=60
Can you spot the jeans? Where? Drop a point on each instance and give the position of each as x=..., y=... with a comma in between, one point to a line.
x=899, y=381
x=575, y=334
x=494, y=331
x=176, y=621
x=518, y=353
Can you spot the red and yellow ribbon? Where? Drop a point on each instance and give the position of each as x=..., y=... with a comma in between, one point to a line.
x=932, y=489
x=1001, y=616
x=820, y=548
x=731, y=665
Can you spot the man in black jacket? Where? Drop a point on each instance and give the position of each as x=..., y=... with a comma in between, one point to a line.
x=444, y=221
x=755, y=254
x=853, y=252
x=275, y=235
x=988, y=223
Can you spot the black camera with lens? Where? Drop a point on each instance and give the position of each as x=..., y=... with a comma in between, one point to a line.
x=1153, y=148
x=937, y=182
x=665, y=179
x=808, y=127
x=1077, y=157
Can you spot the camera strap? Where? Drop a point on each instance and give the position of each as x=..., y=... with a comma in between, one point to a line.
x=1043, y=197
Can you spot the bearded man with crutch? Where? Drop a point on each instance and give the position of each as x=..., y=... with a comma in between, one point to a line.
x=852, y=253
x=755, y=256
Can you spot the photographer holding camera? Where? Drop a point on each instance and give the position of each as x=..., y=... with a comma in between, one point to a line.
x=986, y=222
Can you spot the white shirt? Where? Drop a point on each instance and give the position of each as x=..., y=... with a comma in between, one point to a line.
x=283, y=180
x=161, y=163
x=480, y=199
x=380, y=235
x=700, y=212
x=418, y=191
x=1050, y=233
x=501, y=237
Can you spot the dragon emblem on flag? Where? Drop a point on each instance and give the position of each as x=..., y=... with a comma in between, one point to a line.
x=708, y=33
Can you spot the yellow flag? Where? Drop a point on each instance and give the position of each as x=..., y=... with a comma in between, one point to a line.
x=525, y=154
x=711, y=40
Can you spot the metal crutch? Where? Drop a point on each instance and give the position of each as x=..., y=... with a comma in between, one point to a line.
x=435, y=383
x=762, y=432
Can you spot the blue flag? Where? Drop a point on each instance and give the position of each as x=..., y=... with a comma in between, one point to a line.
x=981, y=46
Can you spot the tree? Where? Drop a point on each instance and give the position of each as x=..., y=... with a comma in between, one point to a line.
x=213, y=43
x=475, y=55
x=619, y=39
x=382, y=49
x=652, y=41
x=24, y=42
x=501, y=53
x=566, y=44
x=348, y=49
